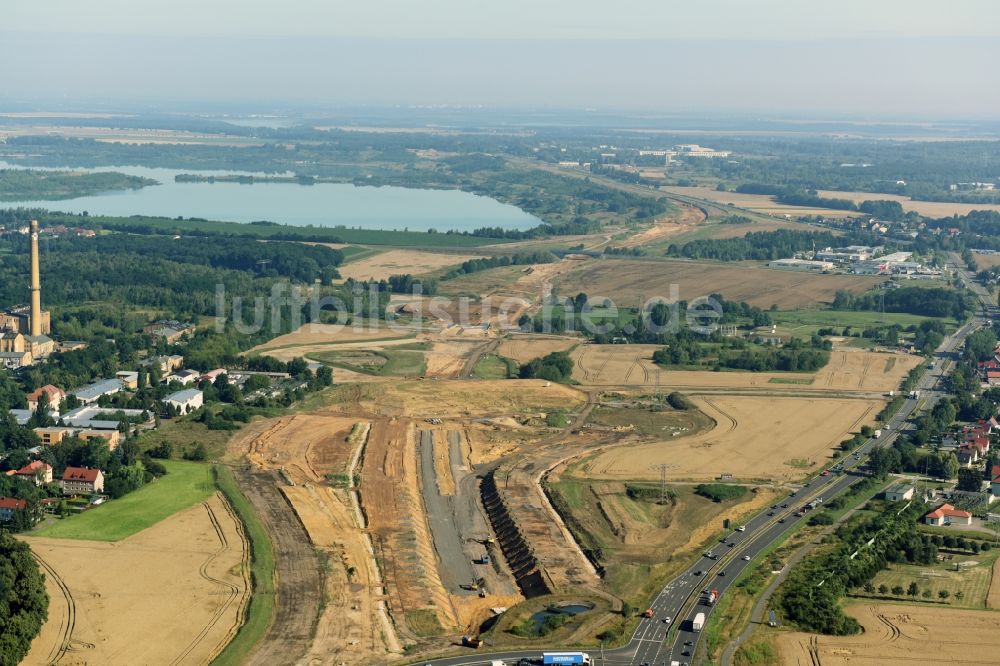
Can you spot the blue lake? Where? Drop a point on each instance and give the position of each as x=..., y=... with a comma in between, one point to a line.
x=321, y=205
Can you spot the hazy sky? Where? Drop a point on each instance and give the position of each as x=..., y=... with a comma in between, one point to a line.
x=882, y=57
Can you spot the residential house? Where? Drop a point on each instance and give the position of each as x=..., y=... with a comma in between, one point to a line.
x=186, y=401
x=82, y=481
x=36, y=472
x=8, y=505
x=899, y=492
x=946, y=514
x=55, y=396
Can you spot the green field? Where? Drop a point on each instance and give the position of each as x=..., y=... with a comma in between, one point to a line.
x=385, y=363
x=492, y=366
x=972, y=581
x=185, y=484
x=795, y=319
x=356, y=252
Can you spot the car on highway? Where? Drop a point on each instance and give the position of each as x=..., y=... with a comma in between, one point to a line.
x=781, y=520
x=698, y=572
x=666, y=620
x=785, y=505
x=722, y=573
x=746, y=558
x=741, y=528
x=826, y=472
x=770, y=513
x=688, y=643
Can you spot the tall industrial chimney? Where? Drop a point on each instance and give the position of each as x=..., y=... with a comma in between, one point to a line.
x=36, y=284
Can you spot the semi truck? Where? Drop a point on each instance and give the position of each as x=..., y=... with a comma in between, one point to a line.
x=574, y=658
x=698, y=622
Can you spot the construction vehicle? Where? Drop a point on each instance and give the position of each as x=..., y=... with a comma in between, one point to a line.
x=472, y=641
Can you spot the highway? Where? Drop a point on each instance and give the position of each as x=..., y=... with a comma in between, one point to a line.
x=684, y=597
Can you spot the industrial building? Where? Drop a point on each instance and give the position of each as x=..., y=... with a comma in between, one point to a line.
x=802, y=265
x=24, y=329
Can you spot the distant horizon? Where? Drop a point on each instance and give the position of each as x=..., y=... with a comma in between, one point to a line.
x=897, y=78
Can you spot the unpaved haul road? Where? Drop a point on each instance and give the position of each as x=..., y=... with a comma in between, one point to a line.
x=298, y=582
x=454, y=567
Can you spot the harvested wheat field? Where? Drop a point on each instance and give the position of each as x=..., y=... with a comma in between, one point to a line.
x=397, y=262
x=523, y=348
x=926, y=208
x=848, y=370
x=630, y=282
x=172, y=594
x=898, y=635
x=766, y=438
x=985, y=261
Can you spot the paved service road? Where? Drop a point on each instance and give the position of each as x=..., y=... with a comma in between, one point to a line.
x=686, y=595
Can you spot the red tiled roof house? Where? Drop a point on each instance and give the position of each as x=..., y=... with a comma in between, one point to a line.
x=82, y=481
x=946, y=514
x=8, y=506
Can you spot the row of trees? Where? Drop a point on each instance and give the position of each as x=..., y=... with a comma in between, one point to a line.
x=923, y=301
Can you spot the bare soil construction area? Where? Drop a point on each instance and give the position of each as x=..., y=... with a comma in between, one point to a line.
x=765, y=438
x=397, y=262
x=329, y=334
x=901, y=635
x=686, y=218
x=628, y=282
x=849, y=369
x=172, y=594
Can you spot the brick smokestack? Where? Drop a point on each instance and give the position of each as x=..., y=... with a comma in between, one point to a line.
x=36, y=283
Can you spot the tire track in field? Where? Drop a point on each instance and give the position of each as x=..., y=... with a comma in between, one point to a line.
x=864, y=371
x=232, y=592
x=733, y=423
x=69, y=621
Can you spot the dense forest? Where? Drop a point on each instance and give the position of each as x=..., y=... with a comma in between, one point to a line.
x=765, y=245
x=924, y=301
x=24, y=603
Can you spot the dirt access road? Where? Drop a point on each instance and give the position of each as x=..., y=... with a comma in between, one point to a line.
x=298, y=581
